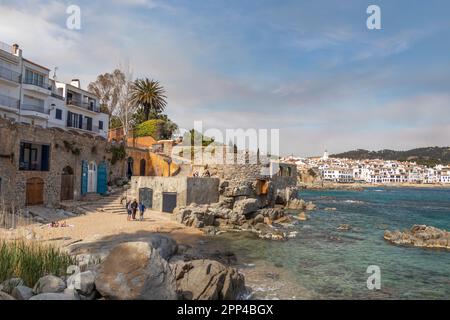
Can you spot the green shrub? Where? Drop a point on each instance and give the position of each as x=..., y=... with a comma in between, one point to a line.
x=153, y=128
x=31, y=261
x=118, y=153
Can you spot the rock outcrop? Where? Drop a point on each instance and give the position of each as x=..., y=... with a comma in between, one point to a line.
x=49, y=284
x=420, y=236
x=135, y=270
x=300, y=204
x=208, y=280
x=216, y=218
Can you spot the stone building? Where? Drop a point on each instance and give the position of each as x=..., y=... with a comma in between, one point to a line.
x=41, y=166
x=167, y=193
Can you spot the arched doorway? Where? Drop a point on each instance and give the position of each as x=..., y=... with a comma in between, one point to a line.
x=35, y=192
x=67, y=184
x=130, y=167
x=142, y=167
x=92, y=177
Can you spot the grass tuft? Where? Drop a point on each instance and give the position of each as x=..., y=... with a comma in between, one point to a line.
x=31, y=261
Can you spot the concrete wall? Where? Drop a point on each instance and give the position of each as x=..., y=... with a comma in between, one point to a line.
x=198, y=190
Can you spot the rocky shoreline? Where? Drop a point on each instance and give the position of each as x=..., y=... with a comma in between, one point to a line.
x=245, y=215
x=420, y=236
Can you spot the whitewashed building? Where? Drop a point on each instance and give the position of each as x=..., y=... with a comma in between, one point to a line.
x=28, y=95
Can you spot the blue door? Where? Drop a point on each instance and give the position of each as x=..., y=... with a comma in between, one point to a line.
x=102, y=178
x=84, y=177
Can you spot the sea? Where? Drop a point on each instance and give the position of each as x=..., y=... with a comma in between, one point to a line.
x=322, y=262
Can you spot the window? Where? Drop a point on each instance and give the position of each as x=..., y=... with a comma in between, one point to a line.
x=74, y=120
x=58, y=114
x=34, y=157
x=34, y=78
x=100, y=125
x=88, y=123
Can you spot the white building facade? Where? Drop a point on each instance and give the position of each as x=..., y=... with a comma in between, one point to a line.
x=28, y=95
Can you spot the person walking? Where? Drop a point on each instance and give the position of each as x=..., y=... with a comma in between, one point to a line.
x=141, y=210
x=134, y=207
x=129, y=211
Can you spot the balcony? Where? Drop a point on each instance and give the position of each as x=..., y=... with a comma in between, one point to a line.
x=35, y=108
x=84, y=126
x=10, y=75
x=9, y=102
x=57, y=96
x=43, y=85
x=84, y=105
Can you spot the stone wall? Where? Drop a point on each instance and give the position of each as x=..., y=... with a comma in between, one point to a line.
x=67, y=148
x=202, y=190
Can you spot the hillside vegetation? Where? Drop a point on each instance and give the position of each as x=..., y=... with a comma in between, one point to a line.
x=429, y=156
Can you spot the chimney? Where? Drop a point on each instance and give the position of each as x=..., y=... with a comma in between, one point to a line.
x=15, y=50
x=75, y=83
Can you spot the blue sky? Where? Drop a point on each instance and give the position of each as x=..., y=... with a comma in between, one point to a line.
x=309, y=68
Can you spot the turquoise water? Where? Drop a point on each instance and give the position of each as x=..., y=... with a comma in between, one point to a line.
x=332, y=264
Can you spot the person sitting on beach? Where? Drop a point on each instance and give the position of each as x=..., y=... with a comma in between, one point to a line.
x=134, y=207
x=141, y=210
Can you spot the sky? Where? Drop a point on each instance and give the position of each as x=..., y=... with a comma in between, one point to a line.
x=311, y=69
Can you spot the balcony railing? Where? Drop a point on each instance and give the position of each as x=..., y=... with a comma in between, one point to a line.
x=9, y=102
x=36, y=108
x=43, y=85
x=57, y=96
x=83, y=105
x=84, y=126
x=10, y=75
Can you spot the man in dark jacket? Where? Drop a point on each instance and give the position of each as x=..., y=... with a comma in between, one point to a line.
x=134, y=207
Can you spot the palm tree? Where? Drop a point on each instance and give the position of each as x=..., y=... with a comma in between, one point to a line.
x=150, y=95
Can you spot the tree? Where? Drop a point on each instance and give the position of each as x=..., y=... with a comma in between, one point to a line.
x=149, y=95
x=106, y=88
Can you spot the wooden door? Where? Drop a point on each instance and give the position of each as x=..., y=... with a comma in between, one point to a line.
x=35, y=192
x=66, y=187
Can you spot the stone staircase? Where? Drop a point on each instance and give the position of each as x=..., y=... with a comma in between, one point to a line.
x=95, y=203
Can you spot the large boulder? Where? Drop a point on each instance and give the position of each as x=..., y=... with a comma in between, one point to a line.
x=296, y=204
x=208, y=280
x=135, y=270
x=49, y=284
x=245, y=206
x=83, y=283
x=165, y=246
x=55, y=296
x=5, y=296
x=9, y=285
x=22, y=293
